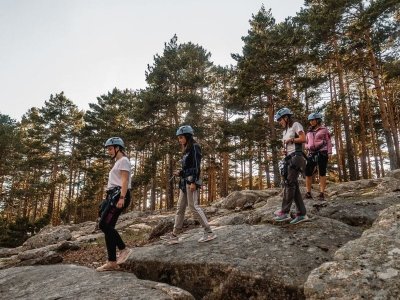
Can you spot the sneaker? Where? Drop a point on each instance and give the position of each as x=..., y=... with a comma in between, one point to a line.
x=308, y=195
x=321, y=197
x=108, y=266
x=282, y=218
x=166, y=237
x=123, y=256
x=279, y=213
x=207, y=236
x=171, y=239
x=299, y=219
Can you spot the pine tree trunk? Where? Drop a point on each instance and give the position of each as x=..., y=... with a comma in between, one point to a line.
x=393, y=125
x=382, y=105
x=153, y=193
x=374, y=141
x=54, y=173
x=212, y=181
x=352, y=133
x=170, y=189
x=363, y=140
x=224, y=174
x=345, y=120
x=337, y=131
x=274, y=142
x=260, y=168
x=250, y=168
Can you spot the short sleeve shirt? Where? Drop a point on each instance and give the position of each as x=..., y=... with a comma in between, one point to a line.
x=291, y=133
x=114, y=177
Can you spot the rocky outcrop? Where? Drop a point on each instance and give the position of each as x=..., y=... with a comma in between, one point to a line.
x=254, y=257
x=244, y=261
x=365, y=268
x=76, y=282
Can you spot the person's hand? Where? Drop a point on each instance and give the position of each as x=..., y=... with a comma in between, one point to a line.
x=176, y=172
x=289, y=141
x=284, y=152
x=120, y=203
x=192, y=187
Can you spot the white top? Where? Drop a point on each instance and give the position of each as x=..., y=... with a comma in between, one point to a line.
x=114, y=177
x=290, y=134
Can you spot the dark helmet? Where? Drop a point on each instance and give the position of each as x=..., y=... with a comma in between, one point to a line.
x=314, y=116
x=114, y=141
x=185, y=129
x=282, y=112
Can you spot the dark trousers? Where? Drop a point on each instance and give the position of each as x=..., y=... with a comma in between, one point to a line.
x=292, y=191
x=111, y=235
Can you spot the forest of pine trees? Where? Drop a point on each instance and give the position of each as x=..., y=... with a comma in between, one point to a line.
x=340, y=57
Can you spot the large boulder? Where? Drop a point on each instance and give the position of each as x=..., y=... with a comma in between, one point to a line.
x=48, y=236
x=366, y=268
x=246, y=199
x=257, y=262
x=75, y=282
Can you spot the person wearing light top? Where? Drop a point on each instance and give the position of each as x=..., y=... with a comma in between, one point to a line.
x=293, y=137
x=118, y=198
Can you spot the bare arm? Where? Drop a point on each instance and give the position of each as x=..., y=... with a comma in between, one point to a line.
x=124, y=188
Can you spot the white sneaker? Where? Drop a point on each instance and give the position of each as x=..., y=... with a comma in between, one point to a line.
x=207, y=236
x=170, y=239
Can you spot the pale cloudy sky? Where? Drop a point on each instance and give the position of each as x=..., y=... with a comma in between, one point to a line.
x=87, y=47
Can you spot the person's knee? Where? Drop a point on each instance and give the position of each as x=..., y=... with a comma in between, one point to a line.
x=180, y=210
x=104, y=226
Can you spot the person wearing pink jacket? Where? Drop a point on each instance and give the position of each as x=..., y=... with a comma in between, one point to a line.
x=319, y=147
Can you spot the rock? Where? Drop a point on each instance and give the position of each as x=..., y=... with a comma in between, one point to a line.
x=75, y=282
x=7, y=252
x=244, y=262
x=48, y=236
x=365, y=268
x=394, y=174
x=247, y=198
x=357, y=211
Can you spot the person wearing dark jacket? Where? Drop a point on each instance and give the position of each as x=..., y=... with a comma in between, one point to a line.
x=189, y=185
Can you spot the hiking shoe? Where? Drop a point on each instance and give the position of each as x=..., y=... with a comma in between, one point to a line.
x=167, y=236
x=108, y=266
x=123, y=256
x=308, y=195
x=321, y=197
x=207, y=236
x=279, y=213
x=171, y=239
x=299, y=219
x=282, y=218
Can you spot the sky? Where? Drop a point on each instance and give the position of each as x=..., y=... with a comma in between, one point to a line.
x=87, y=47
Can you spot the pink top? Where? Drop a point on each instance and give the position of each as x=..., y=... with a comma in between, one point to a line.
x=319, y=140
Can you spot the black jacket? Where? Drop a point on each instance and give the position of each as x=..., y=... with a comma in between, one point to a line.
x=191, y=164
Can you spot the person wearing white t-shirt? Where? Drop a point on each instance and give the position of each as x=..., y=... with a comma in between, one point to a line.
x=118, y=198
x=293, y=137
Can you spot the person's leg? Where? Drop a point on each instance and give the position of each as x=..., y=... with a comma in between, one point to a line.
x=322, y=166
x=291, y=185
x=297, y=166
x=197, y=212
x=309, y=171
x=112, y=237
x=180, y=212
x=308, y=184
x=322, y=184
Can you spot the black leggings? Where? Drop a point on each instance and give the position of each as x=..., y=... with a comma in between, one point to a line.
x=107, y=225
